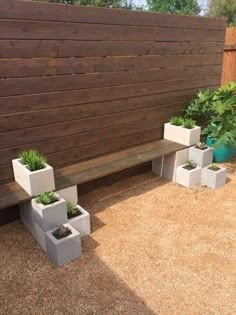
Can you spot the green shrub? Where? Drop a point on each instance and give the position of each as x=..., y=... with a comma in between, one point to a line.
x=176, y=121
x=218, y=111
x=47, y=198
x=33, y=160
x=189, y=123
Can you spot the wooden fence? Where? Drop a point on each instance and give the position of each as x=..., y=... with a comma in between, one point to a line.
x=229, y=63
x=79, y=82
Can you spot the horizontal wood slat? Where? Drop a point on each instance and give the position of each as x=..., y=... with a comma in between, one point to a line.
x=33, y=85
x=65, y=98
x=13, y=9
x=59, y=66
x=12, y=193
x=18, y=29
x=79, y=82
x=51, y=48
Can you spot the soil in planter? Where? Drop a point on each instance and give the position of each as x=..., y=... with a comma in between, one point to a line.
x=189, y=167
x=215, y=169
x=61, y=232
x=201, y=148
x=76, y=214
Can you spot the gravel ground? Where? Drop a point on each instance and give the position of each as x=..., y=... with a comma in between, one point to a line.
x=156, y=248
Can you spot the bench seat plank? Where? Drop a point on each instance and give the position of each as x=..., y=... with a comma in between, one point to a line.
x=12, y=193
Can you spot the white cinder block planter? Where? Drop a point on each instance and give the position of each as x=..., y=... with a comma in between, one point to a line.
x=82, y=222
x=189, y=136
x=69, y=194
x=213, y=179
x=201, y=157
x=172, y=132
x=34, y=183
x=65, y=249
x=188, y=178
x=26, y=215
x=182, y=135
x=50, y=216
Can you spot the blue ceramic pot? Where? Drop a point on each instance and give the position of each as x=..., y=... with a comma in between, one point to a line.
x=221, y=154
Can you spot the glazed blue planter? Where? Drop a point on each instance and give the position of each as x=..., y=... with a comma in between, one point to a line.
x=221, y=154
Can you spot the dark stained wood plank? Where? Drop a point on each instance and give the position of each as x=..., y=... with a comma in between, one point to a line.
x=33, y=85
x=58, y=66
x=65, y=98
x=12, y=9
x=31, y=135
x=65, y=143
x=20, y=29
x=61, y=114
x=59, y=48
x=77, y=154
x=12, y=193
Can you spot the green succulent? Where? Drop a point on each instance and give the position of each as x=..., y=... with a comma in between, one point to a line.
x=33, y=160
x=47, y=198
x=176, y=121
x=189, y=123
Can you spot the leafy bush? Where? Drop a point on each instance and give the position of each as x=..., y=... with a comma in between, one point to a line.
x=218, y=109
x=176, y=121
x=189, y=123
x=47, y=198
x=33, y=160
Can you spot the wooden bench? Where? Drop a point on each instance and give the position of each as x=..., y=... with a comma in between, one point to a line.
x=12, y=194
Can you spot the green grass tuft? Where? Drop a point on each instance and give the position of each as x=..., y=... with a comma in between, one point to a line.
x=33, y=160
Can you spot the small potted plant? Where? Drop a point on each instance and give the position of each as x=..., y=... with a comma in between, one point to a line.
x=172, y=128
x=213, y=176
x=201, y=154
x=63, y=244
x=49, y=210
x=188, y=175
x=78, y=218
x=190, y=133
x=33, y=173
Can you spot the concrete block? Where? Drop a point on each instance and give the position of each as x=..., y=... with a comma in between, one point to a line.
x=50, y=216
x=69, y=194
x=82, y=222
x=201, y=157
x=66, y=249
x=34, y=183
x=213, y=179
x=188, y=178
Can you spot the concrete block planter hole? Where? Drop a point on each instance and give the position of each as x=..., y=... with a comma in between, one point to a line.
x=69, y=194
x=36, y=182
x=188, y=176
x=80, y=221
x=50, y=216
x=182, y=135
x=202, y=157
x=66, y=248
x=213, y=176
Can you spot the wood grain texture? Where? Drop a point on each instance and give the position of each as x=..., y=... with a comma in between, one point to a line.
x=229, y=61
x=12, y=193
x=81, y=82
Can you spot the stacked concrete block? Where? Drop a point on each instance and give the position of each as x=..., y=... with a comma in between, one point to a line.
x=66, y=249
x=34, y=183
